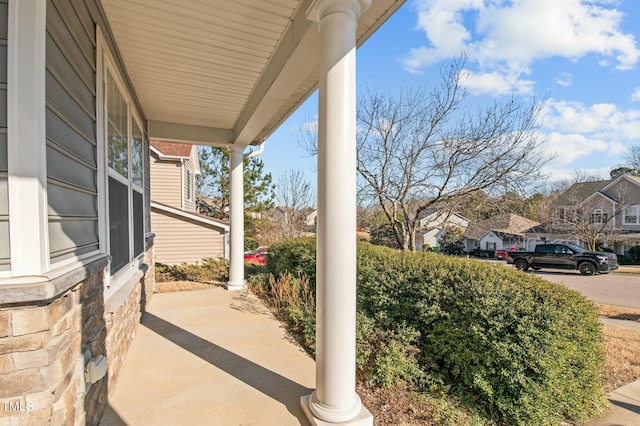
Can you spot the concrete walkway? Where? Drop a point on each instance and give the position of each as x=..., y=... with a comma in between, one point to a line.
x=211, y=357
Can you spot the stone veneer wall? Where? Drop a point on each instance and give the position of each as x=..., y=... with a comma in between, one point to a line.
x=121, y=320
x=41, y=362
x=42, y=348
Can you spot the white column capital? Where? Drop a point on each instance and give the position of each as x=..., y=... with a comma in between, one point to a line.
x=237, y=148
x=321, y=8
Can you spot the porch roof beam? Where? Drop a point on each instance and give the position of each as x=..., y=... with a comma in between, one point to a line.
x=185, y=133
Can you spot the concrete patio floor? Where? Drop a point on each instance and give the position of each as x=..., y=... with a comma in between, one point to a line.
x=211, y=357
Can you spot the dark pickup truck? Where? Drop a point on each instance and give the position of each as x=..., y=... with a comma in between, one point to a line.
x=564, y=256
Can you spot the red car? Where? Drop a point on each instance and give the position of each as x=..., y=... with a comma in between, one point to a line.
x=258, y=256
x=504, y=253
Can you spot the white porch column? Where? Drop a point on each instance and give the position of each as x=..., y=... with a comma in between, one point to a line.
x=236, y=206
x=335, y=399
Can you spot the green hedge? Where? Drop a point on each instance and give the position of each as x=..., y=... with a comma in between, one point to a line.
x=295, y=256
x=521, y=349
x=525, y=350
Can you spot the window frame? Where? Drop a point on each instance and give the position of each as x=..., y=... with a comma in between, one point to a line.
x=636, y=209
x=190, y=185
x=106, y=65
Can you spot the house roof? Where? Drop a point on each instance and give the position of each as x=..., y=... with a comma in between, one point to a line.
x=507, y=223
x=580, y=191
x=192, y=215
x=221, y=72
x=170, y=149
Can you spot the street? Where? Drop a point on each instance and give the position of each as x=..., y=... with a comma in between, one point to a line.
x=617, y=289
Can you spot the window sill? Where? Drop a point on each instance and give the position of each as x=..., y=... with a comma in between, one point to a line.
x=29, y=290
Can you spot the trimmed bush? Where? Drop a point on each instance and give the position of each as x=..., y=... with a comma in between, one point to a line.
x=519, y=348
x=525, y=350
x=295, y=256
x=208, y=270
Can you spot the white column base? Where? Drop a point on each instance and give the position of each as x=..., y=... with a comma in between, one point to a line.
x=235, y=286
x=363, y=418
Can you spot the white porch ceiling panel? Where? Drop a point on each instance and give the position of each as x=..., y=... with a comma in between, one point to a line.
x=222, y=71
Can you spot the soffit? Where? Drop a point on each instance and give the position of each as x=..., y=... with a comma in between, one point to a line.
x=231, y=70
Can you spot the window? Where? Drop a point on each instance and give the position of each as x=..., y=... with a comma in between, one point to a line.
x=599, y=216
x=491, y=246
x=631, y=216
x=189, y=185
x=124, y=158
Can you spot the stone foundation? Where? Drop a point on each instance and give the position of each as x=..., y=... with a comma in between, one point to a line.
x=45, y=346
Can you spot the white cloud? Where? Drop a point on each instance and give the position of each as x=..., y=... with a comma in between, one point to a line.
x=569, y=148
x=496, y=83
x=635, y=96
x=602, y=121
x=564, y=79
x=506, y=37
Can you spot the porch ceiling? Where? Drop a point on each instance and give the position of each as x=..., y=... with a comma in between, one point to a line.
x=217, y=71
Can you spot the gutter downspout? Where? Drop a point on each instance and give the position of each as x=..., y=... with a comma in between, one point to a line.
x=182, y=183
x=255, y=153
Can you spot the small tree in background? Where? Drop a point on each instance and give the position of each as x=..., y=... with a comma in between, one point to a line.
x=213, y=187
x=452, y=241
x=295, y=197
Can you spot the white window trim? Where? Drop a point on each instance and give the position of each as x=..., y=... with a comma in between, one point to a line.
x=624, y=215
x=114, y=281
x=26, y=133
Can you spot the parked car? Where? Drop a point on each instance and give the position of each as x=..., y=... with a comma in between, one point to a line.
x=564, y=256
x=258, y=256
x=504, y=253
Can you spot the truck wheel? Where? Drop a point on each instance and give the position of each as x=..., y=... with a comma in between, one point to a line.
x=521, y=264
x=587, y=268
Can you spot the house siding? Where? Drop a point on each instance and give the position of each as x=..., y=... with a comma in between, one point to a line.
x=5, y=255
x=630, y=196
x=71, y=131
x=179, y=239
x=47, y=340
x=165, y=188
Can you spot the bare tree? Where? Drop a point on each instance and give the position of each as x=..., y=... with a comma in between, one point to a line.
x=423, y=150
x=632, y=160
x=295, y=198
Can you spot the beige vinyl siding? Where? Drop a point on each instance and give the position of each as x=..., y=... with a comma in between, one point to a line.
x=165, y=181
x=71, y=131
x=5, y=255
x=179, y=239
x=630, y=197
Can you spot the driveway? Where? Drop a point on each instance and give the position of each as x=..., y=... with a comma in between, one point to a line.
x=616, y=289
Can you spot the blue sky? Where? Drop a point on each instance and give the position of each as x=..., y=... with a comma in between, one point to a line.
x=583, y=54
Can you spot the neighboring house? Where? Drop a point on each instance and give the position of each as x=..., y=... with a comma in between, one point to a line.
x=174, y=218
x=84, y=85
x=295, y=223
x=501, y=231
x=432, y=226
x=610, y=205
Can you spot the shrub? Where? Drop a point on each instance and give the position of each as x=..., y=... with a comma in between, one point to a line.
x=524, y=350
x=519, y=348
x=250, y=243
x=386, y=357
x=295, y=256
x=208, y=270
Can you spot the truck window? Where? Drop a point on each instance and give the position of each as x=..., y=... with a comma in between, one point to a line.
x=545, y=248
